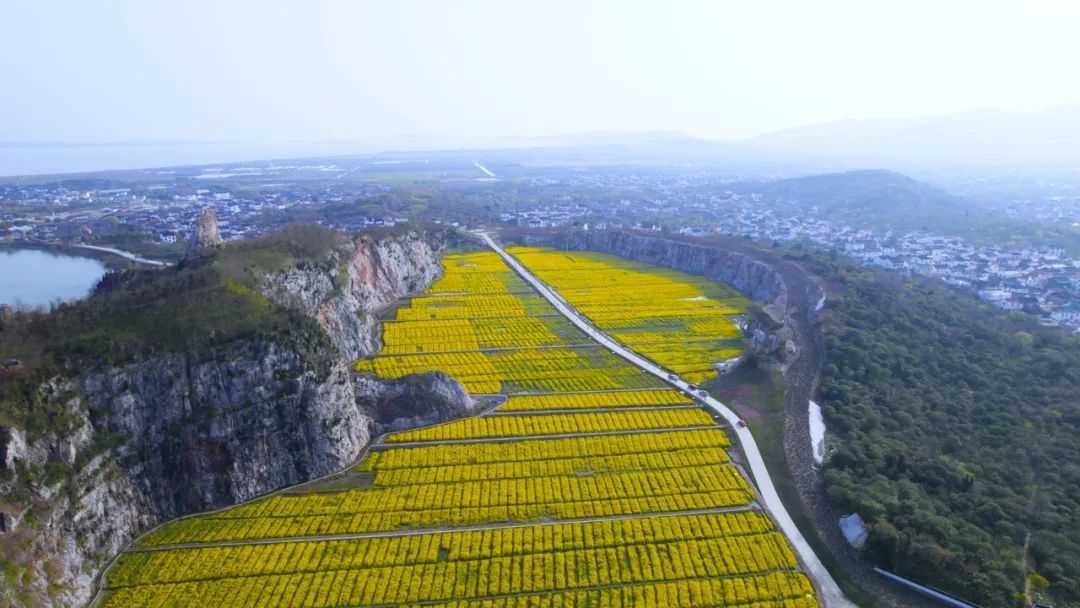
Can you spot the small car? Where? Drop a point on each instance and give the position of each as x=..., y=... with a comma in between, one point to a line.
x=672, y=377
x=740, y=424
x=692, y=387
x=703, y=393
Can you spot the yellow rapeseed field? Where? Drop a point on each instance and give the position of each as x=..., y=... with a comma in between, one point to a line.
x=563, y=401
x=194, y=564
x=480, y=324
x=682, y=322
x=464, y=503
x=486, y=427
x=521, y=572
x=479, y=453
x=592, y=485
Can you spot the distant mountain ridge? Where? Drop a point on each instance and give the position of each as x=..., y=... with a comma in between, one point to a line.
x=879, y=199
x=870, y=198
x=985, y=137
x=873, y=191
x=1047, y=138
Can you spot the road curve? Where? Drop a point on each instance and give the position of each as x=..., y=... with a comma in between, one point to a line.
x=120, y=252
x=832, y=596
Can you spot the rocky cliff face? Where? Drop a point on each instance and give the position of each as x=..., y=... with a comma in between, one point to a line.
x=206, y=431
x=180, y=432
x=370, y=276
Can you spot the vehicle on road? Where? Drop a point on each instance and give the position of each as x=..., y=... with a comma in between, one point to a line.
x=740, y=424
x=672, y=377
x=703, y=393
x=692, y=387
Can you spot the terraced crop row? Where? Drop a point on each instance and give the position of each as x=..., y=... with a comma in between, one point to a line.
x=694, y=361
x=659, y=499
x=775, y=590
x=480, y=306
x=488, y=427
x=447, y=455
x=207, y=563
x=521, y=403
x=465, y=503
x=492, y=576
x=556, y=465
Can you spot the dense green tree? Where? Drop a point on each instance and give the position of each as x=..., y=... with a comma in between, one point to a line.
x=955, y=433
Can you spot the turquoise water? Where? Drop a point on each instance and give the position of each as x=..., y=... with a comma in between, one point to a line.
x=35, y=278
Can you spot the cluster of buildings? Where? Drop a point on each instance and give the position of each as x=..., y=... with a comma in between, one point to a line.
x=1040, y=281
x=1043, y=282
x=160, y=214
x=546, y=216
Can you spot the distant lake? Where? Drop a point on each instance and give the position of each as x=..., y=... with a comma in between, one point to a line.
x=35, y=277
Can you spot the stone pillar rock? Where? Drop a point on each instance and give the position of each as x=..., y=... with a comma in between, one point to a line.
x=205, y=234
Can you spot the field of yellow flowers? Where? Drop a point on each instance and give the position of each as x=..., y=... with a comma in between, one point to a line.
x=482, y=325
x=684, y=323
x=591, y=485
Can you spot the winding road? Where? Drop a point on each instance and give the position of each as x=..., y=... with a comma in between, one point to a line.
x=120, y=252
x=487, y=172
x=832, y=596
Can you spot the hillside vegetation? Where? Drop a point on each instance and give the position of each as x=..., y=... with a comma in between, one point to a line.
x=191, y=387
x=211, y=301
x=879, y=199
x=955, y=434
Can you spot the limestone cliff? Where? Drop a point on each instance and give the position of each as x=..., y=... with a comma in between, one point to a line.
x=174, y=432
x=372, y=274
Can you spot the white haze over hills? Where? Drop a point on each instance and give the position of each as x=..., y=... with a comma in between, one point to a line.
x=122, y=83
x=40, y=158
x=1047, y=138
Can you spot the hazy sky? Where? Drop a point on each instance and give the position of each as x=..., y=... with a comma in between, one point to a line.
x=313, y=70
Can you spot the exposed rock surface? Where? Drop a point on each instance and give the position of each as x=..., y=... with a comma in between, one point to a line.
x=412, y=402
x=205, y=234
x=179, y=432
x=372, y=275
x=207, y=431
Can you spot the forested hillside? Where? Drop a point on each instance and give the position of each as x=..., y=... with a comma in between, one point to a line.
x=954, y=433
x=879, y=200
